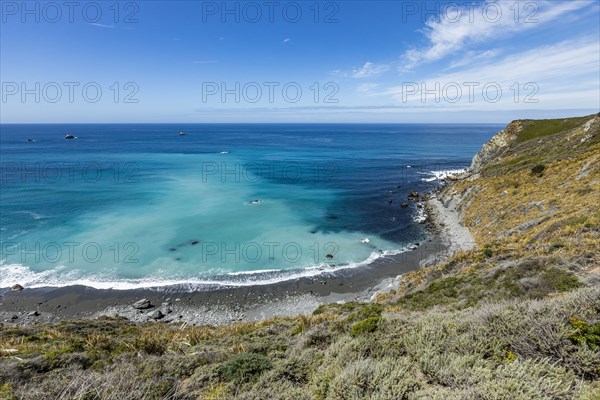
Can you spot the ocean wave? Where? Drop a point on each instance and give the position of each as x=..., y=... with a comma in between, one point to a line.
x=32, y=214
x=441, y=175
x=11, y=274
x=421, y=215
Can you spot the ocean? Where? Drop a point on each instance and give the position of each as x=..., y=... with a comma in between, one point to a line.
x=128, y=206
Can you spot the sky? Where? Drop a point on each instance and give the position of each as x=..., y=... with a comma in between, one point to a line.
x=298, y=61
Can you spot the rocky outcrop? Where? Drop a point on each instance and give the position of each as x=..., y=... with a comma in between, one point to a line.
x=494, y=148
x=142, y=304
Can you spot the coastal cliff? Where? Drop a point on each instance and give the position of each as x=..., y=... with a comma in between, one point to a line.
x=530, y=202
x=512, y=313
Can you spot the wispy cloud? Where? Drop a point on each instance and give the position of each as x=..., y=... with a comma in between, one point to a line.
x=287, y=40
x=561, y=71
x=472, y=57
x=367, y=88
x=101, y=25
x=447, y=35
x=370, y=70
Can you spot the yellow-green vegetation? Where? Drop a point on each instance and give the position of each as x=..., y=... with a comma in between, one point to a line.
x=537, y=128
x=522, y=350
x=533, y=211
x=517, y=318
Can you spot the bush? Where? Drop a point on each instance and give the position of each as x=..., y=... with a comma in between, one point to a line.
x=555, y=246
x=538, y=170
x=244, y=366
x=584, y=333
x=365, y=326
x=559, y=280
x=487, y=251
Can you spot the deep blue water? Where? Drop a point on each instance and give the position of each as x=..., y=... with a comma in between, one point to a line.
x=130, y=205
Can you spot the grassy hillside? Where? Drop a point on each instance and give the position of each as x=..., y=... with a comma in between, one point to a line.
x=516, y=318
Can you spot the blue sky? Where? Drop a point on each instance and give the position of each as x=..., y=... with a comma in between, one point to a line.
x=303, y=61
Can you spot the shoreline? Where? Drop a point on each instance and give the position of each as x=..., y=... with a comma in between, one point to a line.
x=225, y=305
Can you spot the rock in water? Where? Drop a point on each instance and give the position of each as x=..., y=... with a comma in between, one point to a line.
x=142, y=304
x=16, y=288
x=413, y=195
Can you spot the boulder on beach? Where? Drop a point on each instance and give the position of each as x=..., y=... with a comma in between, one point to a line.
x=16, y=288
x=142, y=304
x=156, y=315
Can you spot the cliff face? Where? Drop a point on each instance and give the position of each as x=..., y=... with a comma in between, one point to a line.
x=496, y=145
x=525, y=142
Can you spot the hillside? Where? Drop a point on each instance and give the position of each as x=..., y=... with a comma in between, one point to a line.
x=515, y=317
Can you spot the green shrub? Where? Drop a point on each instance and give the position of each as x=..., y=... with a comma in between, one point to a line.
x=487, y=251
x=364, y=311
x=244, y=366
x=538, y=169
x=559, y=280
x=585, y=334
x=150, y=344
x=365, y=326
x=555, y=246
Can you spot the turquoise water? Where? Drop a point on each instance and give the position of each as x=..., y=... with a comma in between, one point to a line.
x=134, y=205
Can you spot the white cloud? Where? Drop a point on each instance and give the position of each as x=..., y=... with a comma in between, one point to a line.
x=563, y=73
x=453, y=32
x=472, y=57
x=287, y=40
x=367, y=88
x=370, y=70
x=101, y=25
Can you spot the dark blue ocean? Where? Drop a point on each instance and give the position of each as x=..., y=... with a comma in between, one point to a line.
x=139, y=205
